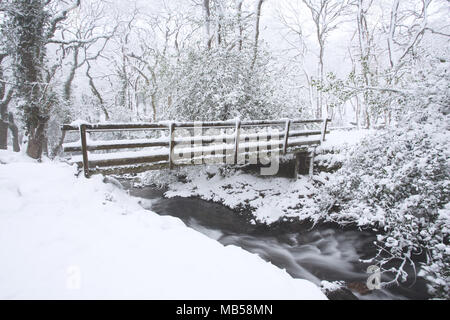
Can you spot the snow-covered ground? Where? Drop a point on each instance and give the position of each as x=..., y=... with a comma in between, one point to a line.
x=70, y=238
x=269, y=199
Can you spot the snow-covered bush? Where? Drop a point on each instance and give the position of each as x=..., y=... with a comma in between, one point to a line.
x=398, y=181
x=220, y=85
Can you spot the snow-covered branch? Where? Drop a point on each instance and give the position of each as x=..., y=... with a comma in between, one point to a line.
x=81, y=41
x=381, y=89
x=62, y=15
x=418, y=34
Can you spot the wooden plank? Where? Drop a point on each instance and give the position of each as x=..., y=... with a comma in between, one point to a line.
x=147, y=126
x=224, y=151
x=311, y=163
x=206, y=124
x=324, y=130
x=237, y=140
x=305, y=133
x=296, y=165
x=172, y=144
x=119, y=145
x=126, y=160
x=304, y=143
x=130, y=169
x=243, y=137
x=286, y=136
x=84, y=150
x=116, y=127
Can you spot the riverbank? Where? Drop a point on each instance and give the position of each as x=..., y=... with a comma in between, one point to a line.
x=323, y=254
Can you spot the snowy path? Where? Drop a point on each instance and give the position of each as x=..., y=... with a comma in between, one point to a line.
x=71, y=238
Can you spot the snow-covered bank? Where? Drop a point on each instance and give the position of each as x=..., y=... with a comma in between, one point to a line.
x=268, y=199
x=70, y=238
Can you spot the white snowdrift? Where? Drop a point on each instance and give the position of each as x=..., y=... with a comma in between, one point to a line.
x=71, y=238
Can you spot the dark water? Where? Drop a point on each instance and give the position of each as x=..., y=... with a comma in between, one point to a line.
x=323, y=253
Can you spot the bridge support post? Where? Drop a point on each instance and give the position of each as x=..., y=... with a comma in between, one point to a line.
x=237, y=139
x=286, y=136
x=84, y=150
x=311, y=163
x=171, y=144
x=297, y=165
x=324, y=129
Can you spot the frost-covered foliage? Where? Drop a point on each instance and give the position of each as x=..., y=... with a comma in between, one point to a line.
x=398, y=181
x=221, y=84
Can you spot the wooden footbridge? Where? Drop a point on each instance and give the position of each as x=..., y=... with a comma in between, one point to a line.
x=134, y=148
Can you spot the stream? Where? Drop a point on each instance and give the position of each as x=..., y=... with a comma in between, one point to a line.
x=322, y=253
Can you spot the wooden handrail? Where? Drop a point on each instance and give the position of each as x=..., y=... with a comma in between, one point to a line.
x=165, y=125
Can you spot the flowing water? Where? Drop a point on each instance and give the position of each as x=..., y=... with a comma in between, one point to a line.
x=323, y=253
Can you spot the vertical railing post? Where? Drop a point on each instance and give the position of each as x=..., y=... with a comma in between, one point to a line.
x=84, y=150
x=311, y=163
x=237, y=140
x=324, y=129
x=192, y=154
x=224, y=145
x=171, y=144
x=286, y=136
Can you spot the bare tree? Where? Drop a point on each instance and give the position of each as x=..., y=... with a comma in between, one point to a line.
x=326, y=15
x=240, y=25
x=6, y=95
x=365, y=47
x=207, y=15
x=31, y=26
x=258, y=10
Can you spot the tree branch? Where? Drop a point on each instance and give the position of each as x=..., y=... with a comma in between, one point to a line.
x=79, y=41
x=60, y=17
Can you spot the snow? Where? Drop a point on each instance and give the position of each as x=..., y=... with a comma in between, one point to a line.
x=63, y=237
x=78, y=123
x=7, y=156
x=331, y=286
x=269, y=200
x=344, y=137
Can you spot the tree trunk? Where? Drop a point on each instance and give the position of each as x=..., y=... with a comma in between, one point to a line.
x=45, y=142
x=15, y=133
x=240, y=26
x=321, y=77
x=258, y=20
x=364, y=46
x=207, y=12
x=57, y=149
x=3, y=134
x=36, y=136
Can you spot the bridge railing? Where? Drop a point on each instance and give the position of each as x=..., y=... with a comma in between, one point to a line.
x=189, y=143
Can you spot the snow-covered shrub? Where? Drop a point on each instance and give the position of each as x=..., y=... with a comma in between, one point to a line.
x=329, y=159
x=398, y=181
x=160, y=178
x=219, y=85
